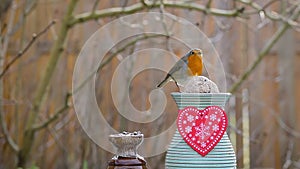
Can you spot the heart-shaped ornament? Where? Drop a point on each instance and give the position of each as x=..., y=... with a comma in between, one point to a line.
x=203, y=129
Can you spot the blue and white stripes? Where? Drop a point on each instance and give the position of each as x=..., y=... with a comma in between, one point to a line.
x=182, y=156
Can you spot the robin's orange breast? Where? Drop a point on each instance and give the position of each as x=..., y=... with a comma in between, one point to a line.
x=195, y=65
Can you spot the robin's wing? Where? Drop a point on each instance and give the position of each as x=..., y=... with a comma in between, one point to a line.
x=179, y=65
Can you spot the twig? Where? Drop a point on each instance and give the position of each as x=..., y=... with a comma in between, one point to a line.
x=6, y=135
x=288, y=159
x=264, y=51
x=296, y=164
x=23, y=51
x=95, y=6
x=240, y=133
x=106, y=61
x=208, y=4
x=162, y=11
x=55, y=116
x=57, y=140
x=3, y=51
x=26, y=12
x=144, y=3
x=128, y=45
x=4, y=44
x=283, y=125
x=272, y=15
x=261, y=8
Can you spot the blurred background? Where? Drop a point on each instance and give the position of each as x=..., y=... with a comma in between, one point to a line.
x=40, y=40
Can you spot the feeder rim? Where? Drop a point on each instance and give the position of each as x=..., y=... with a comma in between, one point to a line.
x=201, y=94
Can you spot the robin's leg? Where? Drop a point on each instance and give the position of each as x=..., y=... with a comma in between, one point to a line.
x=175, y=82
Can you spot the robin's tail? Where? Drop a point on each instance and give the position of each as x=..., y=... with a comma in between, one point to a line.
x=164, y=81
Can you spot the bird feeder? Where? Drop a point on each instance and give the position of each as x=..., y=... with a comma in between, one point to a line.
x=200, y=140
x=126, y=156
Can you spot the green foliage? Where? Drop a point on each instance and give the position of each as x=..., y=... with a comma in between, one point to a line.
x=85, y=165
x=34, y=167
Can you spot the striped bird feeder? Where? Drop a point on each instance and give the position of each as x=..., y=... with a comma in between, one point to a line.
x=200, y=140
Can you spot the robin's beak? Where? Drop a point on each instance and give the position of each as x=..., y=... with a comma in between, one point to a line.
x=199, y=53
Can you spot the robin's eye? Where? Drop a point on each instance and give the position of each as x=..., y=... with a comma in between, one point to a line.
x=192, y=52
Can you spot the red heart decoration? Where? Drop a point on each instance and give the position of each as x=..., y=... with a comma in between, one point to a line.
x=203, y=129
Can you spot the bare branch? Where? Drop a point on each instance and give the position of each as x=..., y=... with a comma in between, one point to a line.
x=41, y=91
x=272, y=15
x=4, y=44
x=56, y=51
x=95, y=5
x=29, y=6
x=264, y=51
x=296, y=164
x=283, y=125
x=105, y=13
x=208, y=4
x=288, y=159
x=23, y=51
x=258, y=9
x=131, y=43
x=143, y=5
x=7, y=137
x=56, y=115
x=3, y=47
x=240, y=132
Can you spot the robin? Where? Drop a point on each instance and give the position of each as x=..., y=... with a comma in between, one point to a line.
x=189, y=65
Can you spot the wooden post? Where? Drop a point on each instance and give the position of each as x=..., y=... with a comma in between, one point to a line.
x=286, y=57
